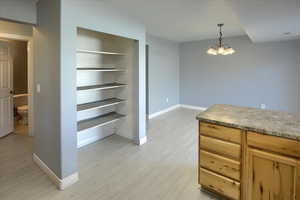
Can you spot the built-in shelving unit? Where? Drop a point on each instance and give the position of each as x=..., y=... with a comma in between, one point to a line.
x=101, y=87
x=99, y=121
x=99, y=104
x=100, y=52
x=100, y=69
x=105, y=97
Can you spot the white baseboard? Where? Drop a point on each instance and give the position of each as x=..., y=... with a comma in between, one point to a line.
x=60, y=183
x=164, y=111
x=193, y=107
x=143, y=141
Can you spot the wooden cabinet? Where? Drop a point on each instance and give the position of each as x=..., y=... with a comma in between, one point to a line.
x=279, y=145
x=219, y=159
x=228, y=134
x=220, y=184
x=220, y=147
x=219, y=164
x=246, y=165
x=272, y=176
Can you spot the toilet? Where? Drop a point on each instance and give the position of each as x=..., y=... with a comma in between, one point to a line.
x=23, y=112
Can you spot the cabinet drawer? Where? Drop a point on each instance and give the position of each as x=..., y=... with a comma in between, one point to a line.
x=219, y=184
x=274, y=144
x=220, y=165
x=220, y=147
x=221, y=132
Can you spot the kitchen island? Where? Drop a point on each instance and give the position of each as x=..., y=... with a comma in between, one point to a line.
x=249, y=154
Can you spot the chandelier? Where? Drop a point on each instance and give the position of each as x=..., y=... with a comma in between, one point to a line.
x=221, y=48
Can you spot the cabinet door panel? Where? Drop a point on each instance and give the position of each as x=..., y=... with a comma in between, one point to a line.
x=272, y=176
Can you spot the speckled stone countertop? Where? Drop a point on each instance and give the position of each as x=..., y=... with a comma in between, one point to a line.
x=268, y=122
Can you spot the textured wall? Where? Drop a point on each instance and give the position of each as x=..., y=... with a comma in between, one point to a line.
x=163, y=72
x=264, y=73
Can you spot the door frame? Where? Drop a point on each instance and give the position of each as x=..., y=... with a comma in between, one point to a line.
x=147, y=81
x=30, y=75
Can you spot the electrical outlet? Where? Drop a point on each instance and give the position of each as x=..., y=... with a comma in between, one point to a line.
x=167, y=100
x=263, y=106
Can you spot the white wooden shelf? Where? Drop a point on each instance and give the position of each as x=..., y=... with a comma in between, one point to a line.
x=20, y=95
x=105, y=70
x=100, y=69
x=101, y=87
x=100, y=52
x=99, y=121
x=99, y=104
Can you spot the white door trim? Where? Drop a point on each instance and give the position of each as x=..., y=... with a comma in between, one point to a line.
x=29, y=41
x=7, y=122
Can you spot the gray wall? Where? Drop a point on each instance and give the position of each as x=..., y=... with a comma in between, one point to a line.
x=47, y=74
x=264, y=73
x=163, y=73
x=18, y=10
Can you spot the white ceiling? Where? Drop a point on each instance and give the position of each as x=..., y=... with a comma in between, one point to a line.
x=268, y=20
x=182, y=20
x=187, y=20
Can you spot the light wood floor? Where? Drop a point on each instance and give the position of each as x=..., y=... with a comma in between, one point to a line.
x=114, y=169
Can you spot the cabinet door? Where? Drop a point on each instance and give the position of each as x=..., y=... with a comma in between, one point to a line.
x=272, y=177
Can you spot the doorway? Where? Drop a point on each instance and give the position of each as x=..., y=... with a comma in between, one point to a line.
x=16, y=98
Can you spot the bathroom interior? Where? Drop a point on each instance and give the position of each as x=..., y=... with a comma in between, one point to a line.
x=19, y=62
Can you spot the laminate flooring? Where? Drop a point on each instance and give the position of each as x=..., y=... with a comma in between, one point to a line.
x=165, y=168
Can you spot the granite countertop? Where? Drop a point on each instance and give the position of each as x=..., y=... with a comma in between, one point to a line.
x=268, y=122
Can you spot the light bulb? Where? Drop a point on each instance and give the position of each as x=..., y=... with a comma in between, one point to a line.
x=231, y=50
x=226, y=52
x=221, y=50
x=212, y=51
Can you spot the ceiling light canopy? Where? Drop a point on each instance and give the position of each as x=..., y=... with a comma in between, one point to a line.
x=221, y=48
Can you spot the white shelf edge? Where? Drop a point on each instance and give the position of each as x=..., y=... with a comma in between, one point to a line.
x=102, y=106
x=100, y=125
x=100, y=52
x=20, y=95
x=102, y=88
x=100, y=69
x=117, y=118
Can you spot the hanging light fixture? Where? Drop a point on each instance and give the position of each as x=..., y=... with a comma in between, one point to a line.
x=221, y=48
